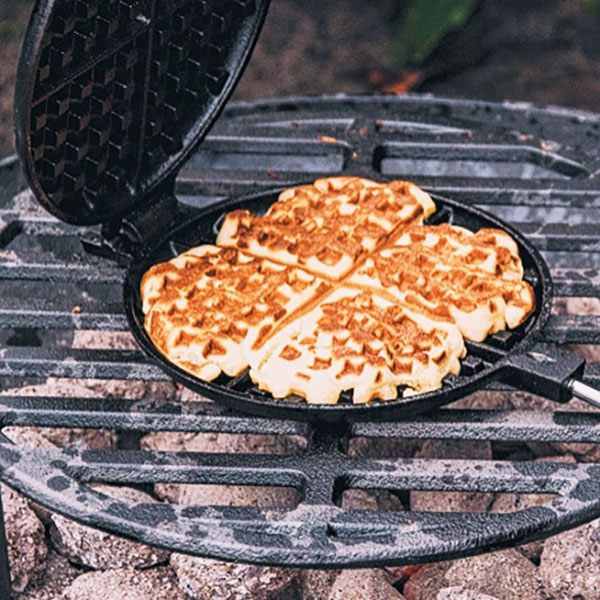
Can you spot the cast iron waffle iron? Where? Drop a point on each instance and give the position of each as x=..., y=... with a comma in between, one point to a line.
x=112, y=96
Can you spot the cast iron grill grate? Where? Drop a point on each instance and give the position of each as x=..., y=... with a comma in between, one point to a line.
x=534, y=167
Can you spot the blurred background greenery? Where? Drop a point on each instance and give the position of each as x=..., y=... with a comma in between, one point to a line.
x=419, y=25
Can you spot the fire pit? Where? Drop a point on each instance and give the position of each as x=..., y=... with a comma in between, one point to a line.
x=283, y=137
x=533, y=167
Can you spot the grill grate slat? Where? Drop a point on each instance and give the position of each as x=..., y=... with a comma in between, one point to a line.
x=551, y=210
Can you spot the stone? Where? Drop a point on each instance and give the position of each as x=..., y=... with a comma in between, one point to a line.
x=526, y=401
x=208, y=579
x=584, y=452
x=484, y=400
x=59, y=575
x=97, y=549
x=355, y=499
x=125, y=584
x=426, y=581
x=503, y=575
x=363, y=584
x=25, y=536
x=452, y=501
x=28, y=437
x=184, y=394
x=461, y=593
x=221, y=495
x=316, y=584
x=509, y=503
x=383, y=447
x=569, y=563
x=89, y=388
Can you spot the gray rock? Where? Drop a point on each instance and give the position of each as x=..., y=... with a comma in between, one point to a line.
x=363, y=584
x=461, y=593
x=206, y=495
x=426, y=582
x=207, y=579
x=59, y=574
x=316, y=584
x=99, y=550
x=452, y=501
x=505, y=575
x=25, y=535
x=569, y=563
x=383, y=447
x=28, y=437
x=484, y=400
x=354, y=499
x=125, y=584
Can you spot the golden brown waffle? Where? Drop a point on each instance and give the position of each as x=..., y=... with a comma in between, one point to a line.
x=211, y=309
x=357, y=340
x=473, y=280
x=327, y=227
x=338, y=286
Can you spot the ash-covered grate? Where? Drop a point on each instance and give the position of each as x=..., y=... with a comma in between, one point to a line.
x=533, y=167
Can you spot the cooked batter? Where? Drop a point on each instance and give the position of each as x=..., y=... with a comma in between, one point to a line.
x=339, y=286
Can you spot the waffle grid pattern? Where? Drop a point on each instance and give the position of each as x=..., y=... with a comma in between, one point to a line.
x=122, y=89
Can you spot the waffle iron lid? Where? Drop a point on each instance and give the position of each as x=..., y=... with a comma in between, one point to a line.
x=113, y=95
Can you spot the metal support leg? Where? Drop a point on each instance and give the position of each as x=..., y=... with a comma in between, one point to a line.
x=4, y=566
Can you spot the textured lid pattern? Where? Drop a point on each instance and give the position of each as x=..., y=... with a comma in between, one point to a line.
x=112, y=95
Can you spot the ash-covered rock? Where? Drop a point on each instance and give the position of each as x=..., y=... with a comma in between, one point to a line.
x=316, y=584
x=452, y=501
x=484, y=400
x=99, y=550
x=207, y=579
x=461, y=593
x=355, y=499
x=59, y=574
x=504, y=575
x=363, y=584
x=25, y=535
x=125, y=584
x=383, y=447
x=426, y=581
x=569, y=563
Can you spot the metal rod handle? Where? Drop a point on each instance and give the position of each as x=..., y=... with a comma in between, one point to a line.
x=584, y=392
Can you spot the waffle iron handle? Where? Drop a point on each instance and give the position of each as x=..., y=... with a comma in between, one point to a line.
x=550, y=372
x=584, y=392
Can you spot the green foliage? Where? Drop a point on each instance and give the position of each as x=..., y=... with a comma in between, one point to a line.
x=423, y=23
x=593, y=7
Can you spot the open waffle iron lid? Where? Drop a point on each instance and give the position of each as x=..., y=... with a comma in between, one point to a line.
x=113, y=95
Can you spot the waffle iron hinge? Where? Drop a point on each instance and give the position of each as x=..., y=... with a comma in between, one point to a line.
x=123, y=240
